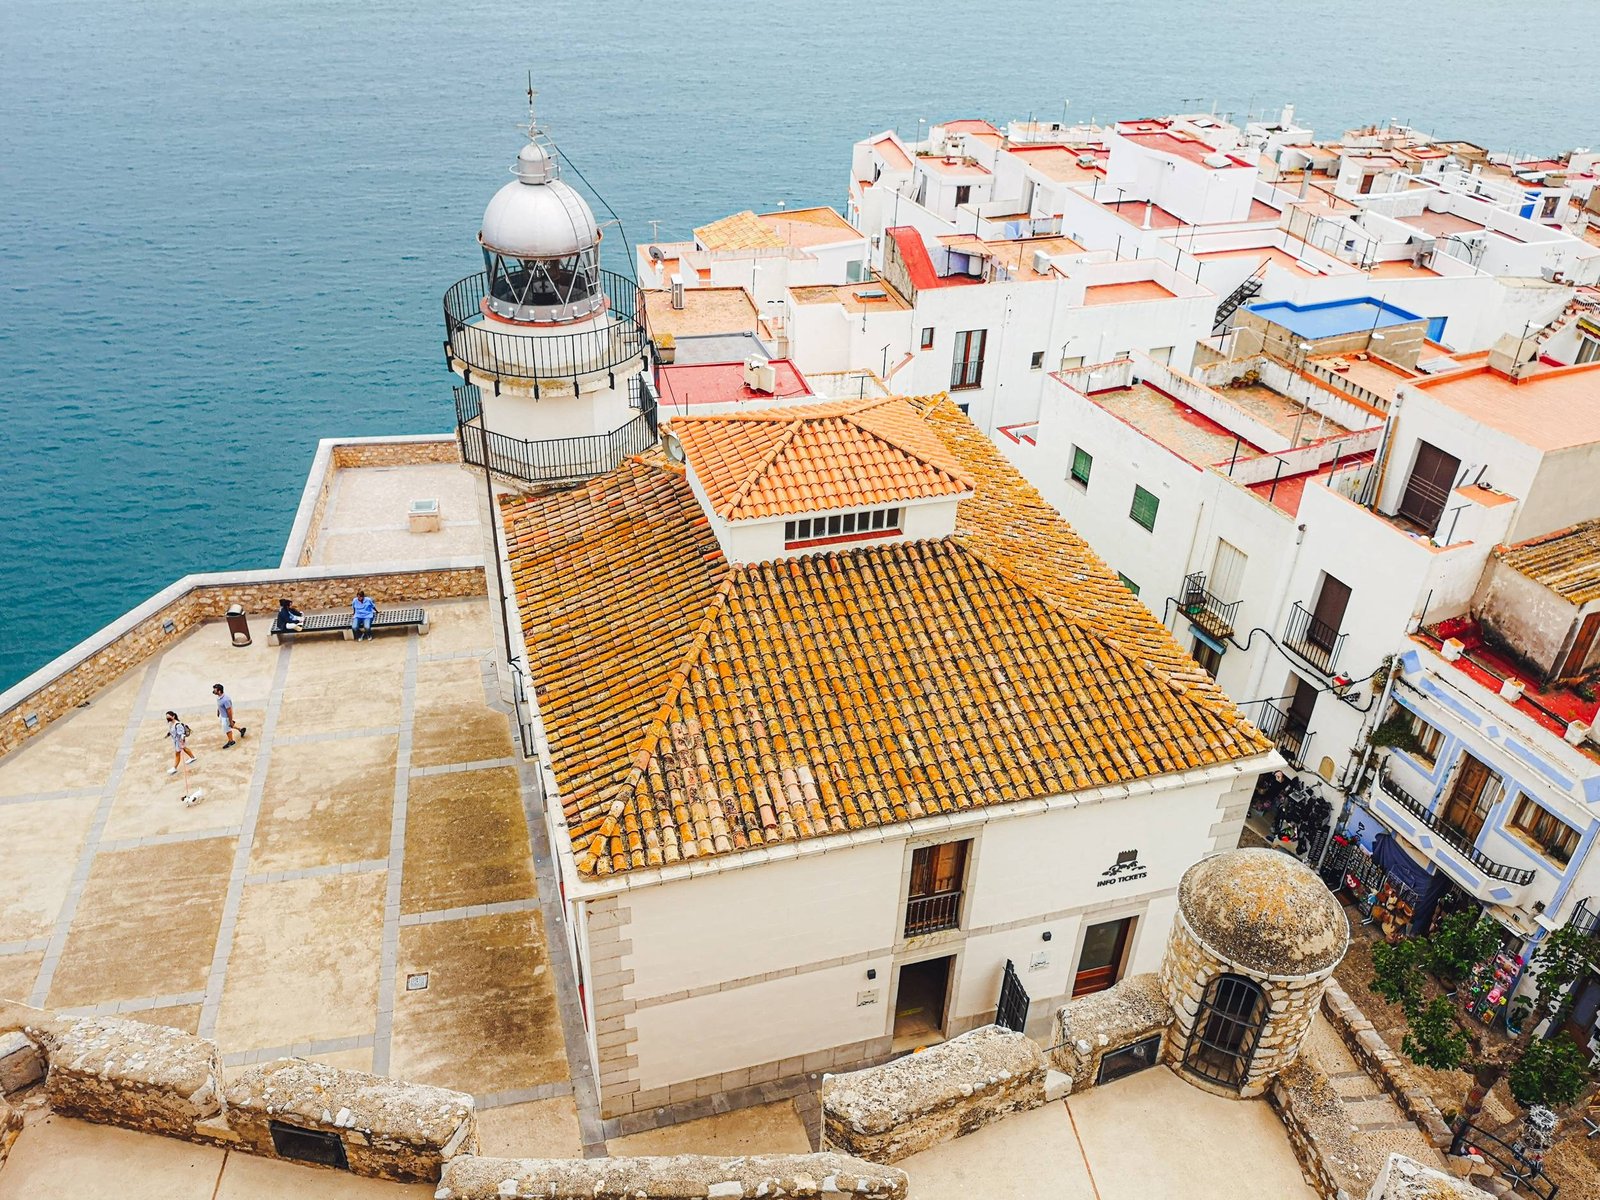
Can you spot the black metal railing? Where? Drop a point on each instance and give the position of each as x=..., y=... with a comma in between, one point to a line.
x=1313, y=640
x=473, y=342
x=554, y=460
x=1287, y=731
x=1585, y=920
x=1508, y=1156
x=1206, y=609
x=1452, y=837
x=931, y=913
x=1011, y=1010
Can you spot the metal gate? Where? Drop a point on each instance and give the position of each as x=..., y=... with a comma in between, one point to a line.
x=1223, y=1040
x=1012, y=1011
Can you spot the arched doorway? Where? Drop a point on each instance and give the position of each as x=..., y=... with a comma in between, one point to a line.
x=1223, y=1040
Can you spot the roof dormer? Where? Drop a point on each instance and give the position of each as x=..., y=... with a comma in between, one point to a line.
x=806, y=479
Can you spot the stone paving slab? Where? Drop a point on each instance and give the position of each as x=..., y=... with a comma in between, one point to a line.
x=535, y=1129
x=324, y=803
x=40, y=844
x=461, y=841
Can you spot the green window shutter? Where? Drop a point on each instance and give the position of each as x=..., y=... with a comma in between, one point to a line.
x=1082, y=463
x=1128, y=583
x=1144, y=507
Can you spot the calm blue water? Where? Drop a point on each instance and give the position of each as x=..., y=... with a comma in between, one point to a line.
x=225, y=228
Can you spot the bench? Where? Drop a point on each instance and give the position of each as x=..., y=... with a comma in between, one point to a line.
x=387, y=618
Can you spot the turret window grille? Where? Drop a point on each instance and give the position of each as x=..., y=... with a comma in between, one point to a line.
x=1223, y=1041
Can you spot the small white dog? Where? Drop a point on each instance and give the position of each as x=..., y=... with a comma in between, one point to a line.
x=193, y=797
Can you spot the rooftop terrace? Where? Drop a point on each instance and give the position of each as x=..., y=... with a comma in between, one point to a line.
x=1548, y=409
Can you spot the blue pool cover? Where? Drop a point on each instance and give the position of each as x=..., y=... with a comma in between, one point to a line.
x=1334, y=318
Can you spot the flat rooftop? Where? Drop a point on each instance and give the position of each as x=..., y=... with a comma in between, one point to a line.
x=1133, y=292
x=1377, y=377
x=723, y=383
x=1132, y=211
x=706, y=310
x=1548, y=410
x=874, y=295
x=1190, y=435
x=1060, y=163
x=1272, y=254
x=1335, y=318
x=1014, y=254
x=370, y=826
x=1281, y=414
x=804, y=227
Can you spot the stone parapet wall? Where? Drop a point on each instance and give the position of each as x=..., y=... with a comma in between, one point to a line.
x=156, y=1080
x=1089, y=1028
x=1383, y=1065
x=1319, y=1131
x=440, y=449
x=138, y=1076
x=1188, y=968
x=887, y=1113
x=391, y=1130
x=77, y=675
x=681, y=1177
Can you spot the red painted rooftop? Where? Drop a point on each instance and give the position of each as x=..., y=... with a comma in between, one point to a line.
x=723, y=383
x=918, y=265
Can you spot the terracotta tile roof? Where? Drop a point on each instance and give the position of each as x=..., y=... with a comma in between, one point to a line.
x=696, y=708
x=816, y=457
x=742, y=231
x=1566, y=561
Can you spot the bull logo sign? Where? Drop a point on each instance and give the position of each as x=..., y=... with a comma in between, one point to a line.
x=1126, y=869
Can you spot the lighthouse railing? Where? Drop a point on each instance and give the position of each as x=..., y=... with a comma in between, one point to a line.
x=552, y=460
x=472, y=340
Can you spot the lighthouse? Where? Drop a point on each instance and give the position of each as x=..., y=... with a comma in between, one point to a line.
x=551, y=348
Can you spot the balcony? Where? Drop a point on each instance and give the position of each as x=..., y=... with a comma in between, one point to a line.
x=1205, y=610
x=1287, y=731
x=1315, y=641
x=1499, y=879
x=553, y=460
x=490, y=349
x=930, y=914
x=1585, y=920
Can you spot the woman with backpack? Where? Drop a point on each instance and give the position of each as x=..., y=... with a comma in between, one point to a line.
x=179, y=733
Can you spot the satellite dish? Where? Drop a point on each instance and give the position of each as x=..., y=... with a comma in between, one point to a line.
x=673, y=447
x=655, y=254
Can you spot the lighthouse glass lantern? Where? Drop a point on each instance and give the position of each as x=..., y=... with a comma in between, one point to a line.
x=541, y=247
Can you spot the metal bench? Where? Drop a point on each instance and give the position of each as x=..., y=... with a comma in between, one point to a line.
x=387, y=618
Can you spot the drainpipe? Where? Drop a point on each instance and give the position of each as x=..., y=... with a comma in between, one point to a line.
x=1384, y=453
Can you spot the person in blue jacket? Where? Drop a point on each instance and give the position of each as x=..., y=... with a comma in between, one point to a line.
x=363, y=610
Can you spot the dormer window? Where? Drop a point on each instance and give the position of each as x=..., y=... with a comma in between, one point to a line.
x=841, y=527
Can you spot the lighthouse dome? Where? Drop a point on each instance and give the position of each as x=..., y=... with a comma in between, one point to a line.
x=536, y=215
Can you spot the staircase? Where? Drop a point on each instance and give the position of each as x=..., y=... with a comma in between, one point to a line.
x=1236, y=299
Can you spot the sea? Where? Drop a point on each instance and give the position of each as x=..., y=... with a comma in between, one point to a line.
x=225, y=227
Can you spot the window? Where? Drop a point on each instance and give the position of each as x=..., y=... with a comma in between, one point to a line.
x=933, y=901
x=840, y=527
x=963, y=192
x=1128, y=583
x=1551, y=204
x=1071, y=362
x=1082, y=464
x=1037, y=361
x=1222, y=1043
x=1544, y=831
x=1144, y=507
x=1227, y=572
x=966, y=370
x=927, y=337
x=1206, y=657
x=1588, y=350
x=1425, y=739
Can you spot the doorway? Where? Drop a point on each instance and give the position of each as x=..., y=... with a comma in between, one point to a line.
x=920, y=1001
x=1432, y=476
x=1582, y=647
x=1100, y=961
x=1476, y=791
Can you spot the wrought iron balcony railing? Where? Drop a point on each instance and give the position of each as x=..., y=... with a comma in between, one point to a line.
x=1315, y=641
x=1205, y=609
x=1452, y=837
x=1585, y=920
x=930, y=914
x=554, y=460
x=1287, y=731
x=473, y=340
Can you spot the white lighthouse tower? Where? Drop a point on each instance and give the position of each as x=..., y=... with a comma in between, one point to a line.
x=551, y=349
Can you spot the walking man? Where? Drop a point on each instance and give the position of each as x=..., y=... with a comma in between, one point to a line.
x=225, y=716
x=179, y=733
x=363, y=610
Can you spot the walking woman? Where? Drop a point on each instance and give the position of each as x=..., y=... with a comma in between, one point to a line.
x=179, y=733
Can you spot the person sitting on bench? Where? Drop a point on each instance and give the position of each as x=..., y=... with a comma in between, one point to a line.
x=362, y=610
x=289, y=617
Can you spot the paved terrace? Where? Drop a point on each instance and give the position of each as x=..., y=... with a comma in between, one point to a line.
x=357, y=884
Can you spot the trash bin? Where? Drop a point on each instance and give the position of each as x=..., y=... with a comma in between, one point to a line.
x=238, y=625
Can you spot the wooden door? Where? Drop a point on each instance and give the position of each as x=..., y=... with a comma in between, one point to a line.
x=1100, y=960
x=1328, y=614
x=1470, y=799
x=1572, y=667
x=1301, y=704
x=1432, y=477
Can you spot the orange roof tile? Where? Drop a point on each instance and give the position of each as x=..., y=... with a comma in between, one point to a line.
x=817, y=457
x=695, y=708
x=742, y=231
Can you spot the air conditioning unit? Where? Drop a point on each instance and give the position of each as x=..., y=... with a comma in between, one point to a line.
x=677, y=291
x=760, y=375
x=1041, y=262
x=1087, y=160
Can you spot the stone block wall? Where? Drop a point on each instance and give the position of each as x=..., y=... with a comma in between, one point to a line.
x=681, y=1177
x=1089, y=1028
x=138, y=1076
x=887, y=1113
x=347, y=455
x=1382, y=1064
x=1187, y=969
x=1319, y=1131
x=21, y=1063
x=207, y=598
x=390, y=1129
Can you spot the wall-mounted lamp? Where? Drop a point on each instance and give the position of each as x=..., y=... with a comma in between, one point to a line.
x=872, y=972
x=1047, y=935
